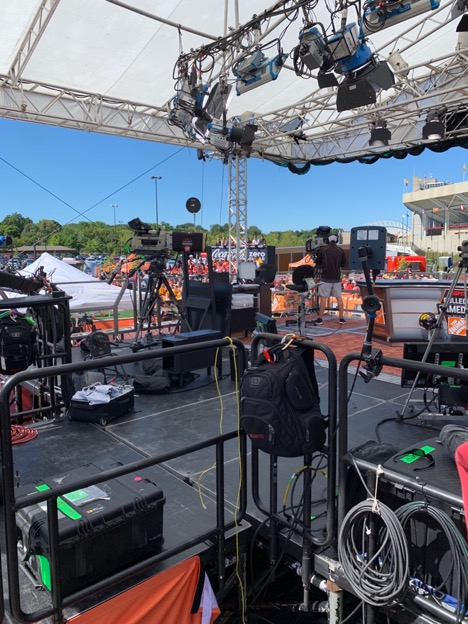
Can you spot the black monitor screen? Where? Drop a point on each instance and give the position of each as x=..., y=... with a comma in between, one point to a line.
x=265, y=324
x=442, y=353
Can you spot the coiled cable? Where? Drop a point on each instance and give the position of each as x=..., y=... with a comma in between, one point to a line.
x=457, y=547
x=371, y=528
x=21, y=434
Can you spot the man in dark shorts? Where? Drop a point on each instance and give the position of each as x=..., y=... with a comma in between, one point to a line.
x=330, y=261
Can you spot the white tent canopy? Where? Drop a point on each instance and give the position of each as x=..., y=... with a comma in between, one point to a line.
x=112, y=66
x=88, y=293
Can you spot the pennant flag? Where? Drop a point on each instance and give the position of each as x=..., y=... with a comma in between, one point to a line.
x=406, y=182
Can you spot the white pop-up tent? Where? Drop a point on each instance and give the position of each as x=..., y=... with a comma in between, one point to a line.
x=88, y=293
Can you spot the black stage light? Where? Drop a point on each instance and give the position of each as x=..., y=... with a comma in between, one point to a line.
x=434, y=128
x=293, y=124
x=463, y=24
x=380, y=134
x=326, y=80
x=359, y=88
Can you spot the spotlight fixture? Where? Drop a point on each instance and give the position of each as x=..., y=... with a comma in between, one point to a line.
x=293, y=124
x=256, y=70
x=223, y=136
x=434, y=128
x=380, y=134
x=364, y=76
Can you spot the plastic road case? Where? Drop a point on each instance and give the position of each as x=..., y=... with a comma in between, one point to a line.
x=102, y=529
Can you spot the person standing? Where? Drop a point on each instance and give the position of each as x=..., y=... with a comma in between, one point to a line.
x=331, y=259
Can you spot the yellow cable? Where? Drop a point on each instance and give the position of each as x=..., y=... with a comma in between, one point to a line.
x=202, y=474
x=296, y=474
x=239, y=489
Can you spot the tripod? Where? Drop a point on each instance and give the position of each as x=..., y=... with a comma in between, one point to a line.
x=152, y=299
x=462, y=268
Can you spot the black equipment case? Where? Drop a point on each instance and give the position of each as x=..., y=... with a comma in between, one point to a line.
x=104, y=412
x=102, y=529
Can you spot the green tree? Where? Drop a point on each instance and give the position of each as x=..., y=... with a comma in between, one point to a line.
x=189, y=227
x=254, y=232
x=13, y=225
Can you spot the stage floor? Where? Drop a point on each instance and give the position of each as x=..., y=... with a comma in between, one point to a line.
x=164, y=422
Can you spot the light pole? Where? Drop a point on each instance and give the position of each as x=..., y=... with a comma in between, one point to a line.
x=156, y=178
x=114, y=206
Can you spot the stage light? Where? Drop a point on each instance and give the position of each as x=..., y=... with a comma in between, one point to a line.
x=459, y=8
x=311, y=51
x=292, y=125
x=398, y=64
x=380, y=134
x=463, y=24
x=346, y=53
x=434, y=128
x=256, y=70
x=380, y=14
x=364, y=76
x=223, y=136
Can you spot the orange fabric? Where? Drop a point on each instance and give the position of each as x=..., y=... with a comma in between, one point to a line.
x=166, y=598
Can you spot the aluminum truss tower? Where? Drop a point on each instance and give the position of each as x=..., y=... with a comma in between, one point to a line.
x=237, y=164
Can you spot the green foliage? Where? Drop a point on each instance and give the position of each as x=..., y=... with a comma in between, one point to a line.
x=100, y=237
x=13, y=225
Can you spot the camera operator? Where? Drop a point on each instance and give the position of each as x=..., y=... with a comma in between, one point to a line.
x=331, y=259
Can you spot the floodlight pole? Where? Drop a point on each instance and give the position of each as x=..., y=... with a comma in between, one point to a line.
x=237, y=208
x=114, y=206
x=156, y=178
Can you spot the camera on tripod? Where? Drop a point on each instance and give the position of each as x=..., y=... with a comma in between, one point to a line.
x=313, y=245
x=149, y=242
x=160, y=243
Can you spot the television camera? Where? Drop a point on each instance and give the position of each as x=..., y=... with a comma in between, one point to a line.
x=313, y=245
x=160, y=243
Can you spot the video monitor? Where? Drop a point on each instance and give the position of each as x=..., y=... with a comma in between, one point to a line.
x=265, y=324
x=452, y=356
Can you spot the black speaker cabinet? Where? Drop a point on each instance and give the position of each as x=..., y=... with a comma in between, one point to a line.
x=191, y=360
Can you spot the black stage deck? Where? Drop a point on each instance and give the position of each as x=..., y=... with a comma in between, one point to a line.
x=201, y=409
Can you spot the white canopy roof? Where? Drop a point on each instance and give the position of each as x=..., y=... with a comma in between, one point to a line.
x=111, y=66
x=88, y=293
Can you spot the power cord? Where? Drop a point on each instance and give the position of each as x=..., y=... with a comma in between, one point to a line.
x=373, y=551
x=457, y=546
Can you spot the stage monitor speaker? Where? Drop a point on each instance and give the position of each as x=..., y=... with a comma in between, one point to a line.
x=452, y=356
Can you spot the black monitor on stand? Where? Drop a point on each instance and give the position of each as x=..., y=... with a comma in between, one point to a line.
x=367, y=253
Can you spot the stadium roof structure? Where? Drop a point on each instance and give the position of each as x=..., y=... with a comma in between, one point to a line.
x=147, y=69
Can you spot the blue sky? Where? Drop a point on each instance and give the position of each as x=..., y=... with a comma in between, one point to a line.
x=89, y=172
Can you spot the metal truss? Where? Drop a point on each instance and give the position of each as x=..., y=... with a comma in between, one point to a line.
x=325, y=136
x=237, y=181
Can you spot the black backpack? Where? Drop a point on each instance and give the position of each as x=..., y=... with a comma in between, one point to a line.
x=17, y=343
x=280, y=409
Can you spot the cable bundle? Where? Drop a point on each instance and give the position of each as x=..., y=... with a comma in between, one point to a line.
x=382, y=579
x=456, y=544
x=22, y=434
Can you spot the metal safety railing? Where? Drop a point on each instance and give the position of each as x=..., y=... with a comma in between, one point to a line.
x=416, y=484
x=271, y=510
x=13, y=503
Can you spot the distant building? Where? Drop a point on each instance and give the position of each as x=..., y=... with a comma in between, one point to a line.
x=439, y=212
x=54, y=250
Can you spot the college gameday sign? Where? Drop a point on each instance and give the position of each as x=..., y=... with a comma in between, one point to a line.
x=456, y=312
